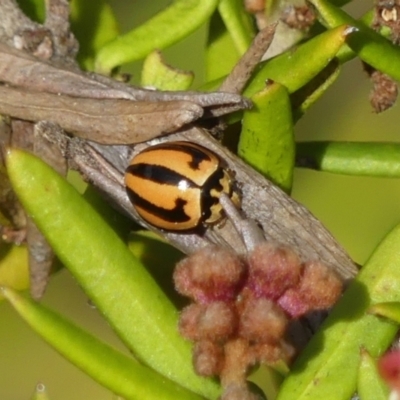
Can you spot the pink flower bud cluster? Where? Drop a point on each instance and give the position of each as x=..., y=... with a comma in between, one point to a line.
x=242, y=307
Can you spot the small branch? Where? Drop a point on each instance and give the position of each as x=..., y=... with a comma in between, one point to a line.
x=240, y=75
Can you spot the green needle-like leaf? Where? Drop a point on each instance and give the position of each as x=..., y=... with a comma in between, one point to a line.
x=328, y=367
x=370, y=386
x=371, y=47
x=297, y=67
x=390, y=310
x=309, y=94
x=363, y=159
x=34, y=9
x=111, y=276
x=221, y=53
x=94, y=33
x=166, y=28
x=14, y=270
x=158, y=75
x=267, y=141
x=119, y=373
x=238, y=23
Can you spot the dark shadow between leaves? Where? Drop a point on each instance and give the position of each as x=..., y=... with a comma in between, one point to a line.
x=311, y=154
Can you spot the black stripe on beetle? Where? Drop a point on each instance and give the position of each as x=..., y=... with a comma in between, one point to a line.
x=197, y=154
x=158, y=174
x=174, y=215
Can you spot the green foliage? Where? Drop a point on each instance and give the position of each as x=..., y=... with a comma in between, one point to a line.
x=362, y=159
x=238, y=23
x=158, y=75
x=107, y=270
x=266, y=141
x=163, y=30
x=14, y=267
x=368, y=45
x=328, y=367
x=121, y=374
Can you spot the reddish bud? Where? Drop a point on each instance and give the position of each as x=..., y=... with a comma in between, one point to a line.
x=320, y=286
x=237, y=363
x=240, y=313
x=389, y=368
x=293, y=303
x=318, y=289
x=215, y=321
x=210, y=274
x=208, y=358
x=269, y=354
x=262, y=321
x=272, y=270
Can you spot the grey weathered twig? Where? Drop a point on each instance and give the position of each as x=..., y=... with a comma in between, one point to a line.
x=240, y=75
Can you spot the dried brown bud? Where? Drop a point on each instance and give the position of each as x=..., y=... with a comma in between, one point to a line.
x=208, y=358
x=269, y=354
x=215, y=321
x=272, y=270
x=384, y=92
x=301, y=17
x=387, y=15
x=210, y=274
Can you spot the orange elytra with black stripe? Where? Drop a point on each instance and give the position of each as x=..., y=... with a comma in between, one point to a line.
x=176, y=186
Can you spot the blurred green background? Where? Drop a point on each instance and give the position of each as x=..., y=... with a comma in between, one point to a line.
x=358, y=212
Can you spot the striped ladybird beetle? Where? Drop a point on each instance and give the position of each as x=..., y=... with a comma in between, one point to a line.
x=176, y=186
